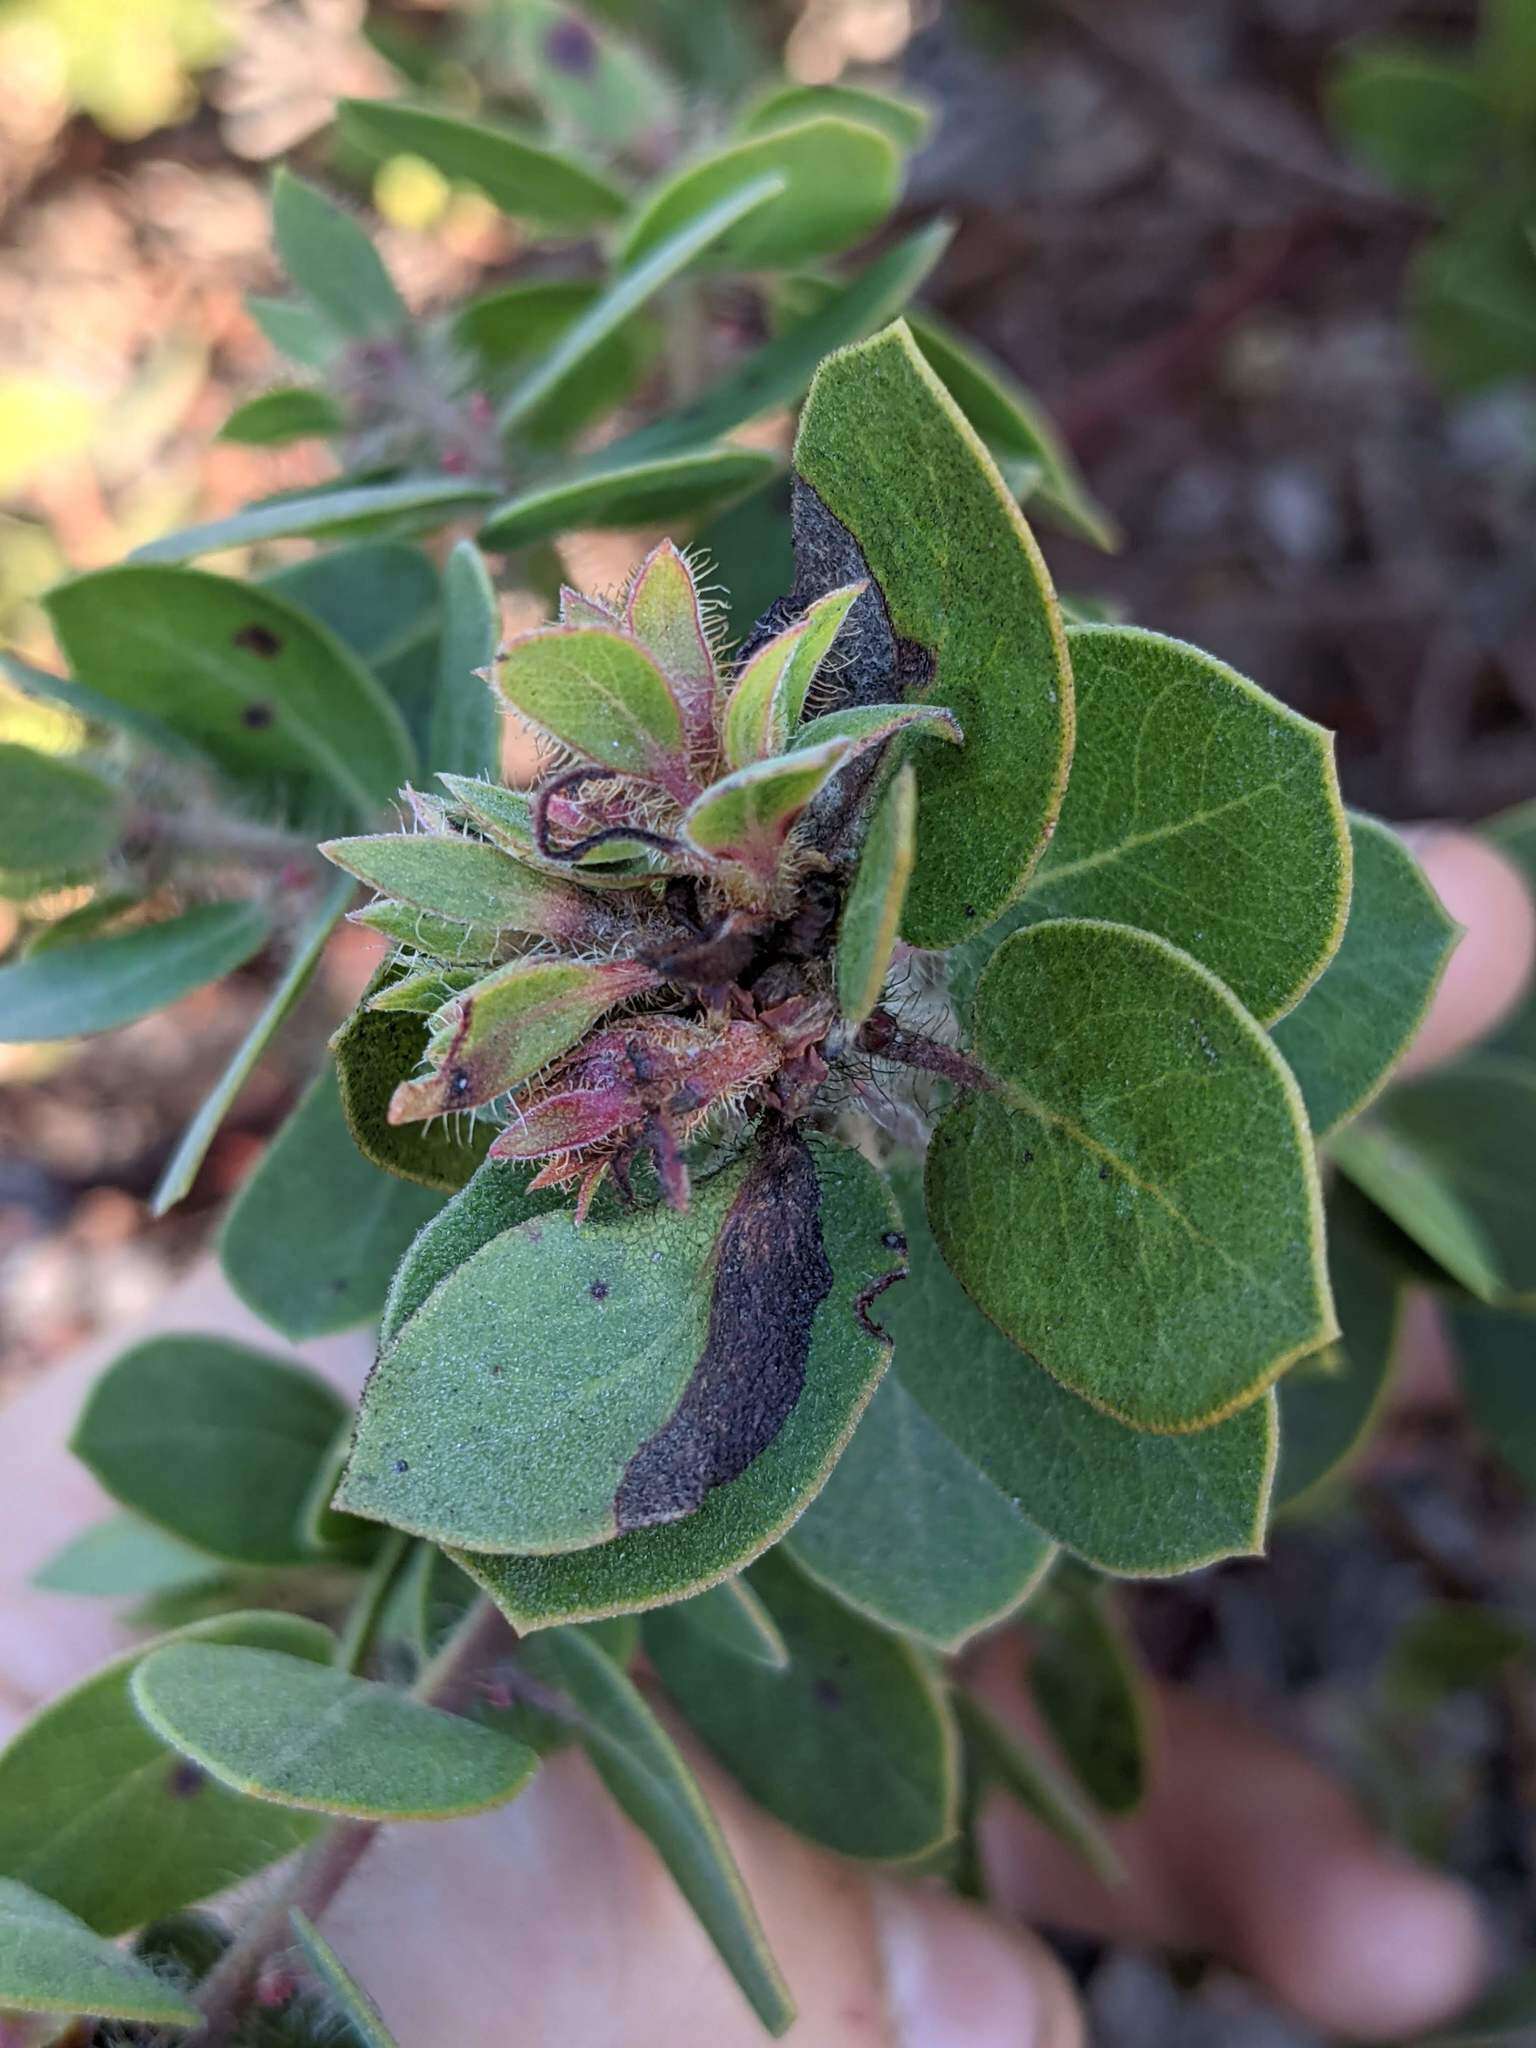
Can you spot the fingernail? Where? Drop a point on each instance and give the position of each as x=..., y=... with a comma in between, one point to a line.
x=954, y=1979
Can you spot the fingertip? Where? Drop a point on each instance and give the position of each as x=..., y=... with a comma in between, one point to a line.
x=1492, y=967
x=954, y=1978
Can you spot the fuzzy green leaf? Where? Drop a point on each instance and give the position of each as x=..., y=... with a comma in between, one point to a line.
x=852, y=1743
x=1448, y=1158
x=50, y=1961
x=891, y=457
x=1127, y=1501
x=507, y=330
x=645, y=493
x=1016, y=430
x=871, y=920
x=58, y=822
x=1093, y=1205
x=505, y=817
x=301, y=1734
x=85, y=1787
x=341, y=511
x=357, y=2008
x=265, y=691
x=123, y=1558
x=746, y=816
x=100, y=983
x=465, y=735
x=277, y=417
x=496, y=1200
x=213, y=1442
x=1202, y=810
x=333, y=262
x=739, y=1520
x=1496, y=1361
x=768, y=697
x=905, y=121
x=841, y=179
x=1088, y=1690
x=466, y=882
x=526, y=179
x=599, y=694
x=374, y=1052
x=440, y=938
x=871, y=725
x=735, y=1619
x=1354, y=1024
x=910, y=1533
x=640, y=1765
x=664, y=613
x=316, y=1231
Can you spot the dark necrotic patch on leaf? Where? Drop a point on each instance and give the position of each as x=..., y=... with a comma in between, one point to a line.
x=771, y=1276
x=260, y=640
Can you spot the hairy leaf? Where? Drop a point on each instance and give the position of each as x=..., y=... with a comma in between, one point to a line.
x=871, y=918
x=374, y=1051
x=100, y=983
x=602, y=696
x=746, y=816
x=466, y=882
x=871, y=725
x=50, y=1961
x=1089, y=1205
x=768, y=697
x=333, y=262
x=58, y=822
x=526, y=179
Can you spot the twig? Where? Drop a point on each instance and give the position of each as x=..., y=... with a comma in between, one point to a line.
x=883, y=1037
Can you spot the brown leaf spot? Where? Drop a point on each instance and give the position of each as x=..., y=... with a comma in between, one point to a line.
x=186, y=1779
x=256, y=717
x=259, y=639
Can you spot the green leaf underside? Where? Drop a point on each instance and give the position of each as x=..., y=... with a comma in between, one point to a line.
x=383, y=600
x=1496, y=1363
x=465, y=733
x=57, y=820
x=871, y=918
x=1329, y=1402
x=123, y=1557
x=1355, y=1023
x=890, y=455
x=333, y=262
x=102, y=983
x=643, y=493
x=597, y=693
x=358, y=2009
x=1089, y=1693
x=1138, y=1204
x=94, y=705
x=738, y=1521
x=280, y=416
x=374, y=1051
x=641, y=1767
x=734, y=1619
x=86, y=1789
x=213, y=1442
x=180, y=1171
x=1003, y=1758
x=50, y=1961
x=852, y=1743
x=268, y=693
x=1448, y=1158
x=841, y=179
x=632, y=289
x=316, y=1231
x=910, y=1533
x=301, y=1734
x=1201, y=810
x=1127, y=1501
x=410, y=504
x=905, y=121
x=525, y=178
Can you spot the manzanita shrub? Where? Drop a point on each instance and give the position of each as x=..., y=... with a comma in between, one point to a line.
x=834, y=1160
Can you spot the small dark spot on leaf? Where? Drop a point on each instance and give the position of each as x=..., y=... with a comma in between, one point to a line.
x=970, y=910
x=571, y=47
x=258, y=639
x=339, y=1286
x=1104, y=1172
x=1028, y=1158
x=598, y=1290
x=402, y=1465
x=186, y=1780
x=257, y=717
x=894, y=1241
x=826, y=1694
x=459, y=1084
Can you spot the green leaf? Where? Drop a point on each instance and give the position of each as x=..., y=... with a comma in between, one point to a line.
x=42, y=686
x=86, y=1790
x=76, y=991
x=734, y=1619
x=641, y=1767
x=277, y=417
x=437, y=938
x=468, y=883
x=122, y=1558
x=466, y=731
x=1496, y=1362
x=506, y=330
x=526, y=179
x=1506, y=56
x=344, y=511
x=333, y=262
x=175, y=1181
x=1472, y=291
x=50, y=1961
x=890, y=456
x=1419, y=118
x=57, y=821
x=267, y=693
x=1355, y=1023
x=639, y=494
x=1127, y=1501
x=1449, y=1646
x=1201, y=810
x=505, y=817
x=632, y=289
x=768, y=696
x=908, y=1532
x=1448, y=1158
x=871, y=918
x=586, y=78
x=841, y=179
x=905, y=121
x=1329, y=1401
x=738, y=1521
x=1513, y=832
x=601, y=695
x=316, y=1231
x=383, y=600
x=1015, y=429
x=852, y=1743
x=374, y=1050
x=753, y=555
x=1088, y=1690
x=746, y=816
x=358, y=2010
x=870, y=725
x=300, y=1734
x=297, y=330
x=1003, y=1758
x=496, y=1200
x=213, y=1442
x=1137, y=1202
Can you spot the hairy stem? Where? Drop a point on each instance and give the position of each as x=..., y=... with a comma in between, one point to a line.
x=887, y=1040
x=450, y=1682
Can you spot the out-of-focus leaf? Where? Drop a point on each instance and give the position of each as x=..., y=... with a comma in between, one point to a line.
x=640, y=494
x=277, y=417
x=1003, y=1758
x=526, y=179
x=1496, y=1363
x=297, y=330
x=344, y=511
x=905, y=121
x=1088, y=1690
x=1419, y=117
x=333, y=262
x=57, y=820
x=50, y=1961
x=1472, y=292
x=362, y=2016
x=508, y=329
x=465, y=736
x=123, y=1557
x=1447, y=1647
